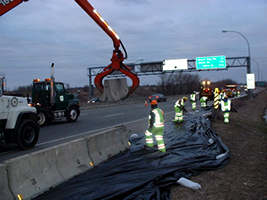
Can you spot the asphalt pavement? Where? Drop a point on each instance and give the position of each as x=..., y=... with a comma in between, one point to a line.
x=97, y=118
x=133, y=115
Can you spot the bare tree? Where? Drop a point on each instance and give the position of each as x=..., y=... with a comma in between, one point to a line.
x=21, y=91
x=222, y=83
x=179, y=83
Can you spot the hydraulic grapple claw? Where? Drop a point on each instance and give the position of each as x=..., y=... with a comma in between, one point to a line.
x=117, y=65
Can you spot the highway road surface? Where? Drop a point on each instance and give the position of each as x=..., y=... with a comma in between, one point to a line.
x=92, y=120
x=133, y=115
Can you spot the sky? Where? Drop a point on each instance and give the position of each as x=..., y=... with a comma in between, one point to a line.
x=39, y=32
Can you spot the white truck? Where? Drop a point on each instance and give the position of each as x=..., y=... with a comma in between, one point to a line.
x=18, y=121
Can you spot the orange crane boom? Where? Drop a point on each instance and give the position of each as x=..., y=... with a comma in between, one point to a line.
x=117, y=56
x=6, y=5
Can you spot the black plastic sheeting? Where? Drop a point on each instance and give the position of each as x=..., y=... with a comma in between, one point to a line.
x=147, y=174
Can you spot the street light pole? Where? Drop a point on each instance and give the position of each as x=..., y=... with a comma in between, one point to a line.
x=91, y=87
x=258, y=68
x=248, y=59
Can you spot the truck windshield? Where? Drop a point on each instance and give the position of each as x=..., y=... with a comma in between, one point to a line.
x=231, y=87
x=59, y=87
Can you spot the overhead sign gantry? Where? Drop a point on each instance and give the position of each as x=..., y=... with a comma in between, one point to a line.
x=175, y=64
x=157, y=67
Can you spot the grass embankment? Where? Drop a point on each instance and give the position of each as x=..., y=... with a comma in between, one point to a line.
x=245, y=177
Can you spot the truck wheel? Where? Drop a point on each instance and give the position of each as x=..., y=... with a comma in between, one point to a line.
x=73, y=114
x=41, y=118
x=27, y=134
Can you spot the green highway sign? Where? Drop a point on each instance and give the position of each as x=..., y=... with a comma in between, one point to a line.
x=212, y=62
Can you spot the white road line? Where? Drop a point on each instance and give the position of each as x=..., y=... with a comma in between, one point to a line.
x=113, y=115
x=85, y=133
x=72, y=136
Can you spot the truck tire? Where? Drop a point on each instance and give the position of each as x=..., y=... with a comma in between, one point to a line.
x=27, y=134
x=73, y=114
x=41, y=118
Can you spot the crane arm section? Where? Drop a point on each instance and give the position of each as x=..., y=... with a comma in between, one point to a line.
x=89, y=9
x=117, y=56
x=6, y=5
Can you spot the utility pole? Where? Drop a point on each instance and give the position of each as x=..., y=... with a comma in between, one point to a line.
x=248, y=58
x=91, y=87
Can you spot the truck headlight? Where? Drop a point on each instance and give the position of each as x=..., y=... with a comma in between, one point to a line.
x=14, y=101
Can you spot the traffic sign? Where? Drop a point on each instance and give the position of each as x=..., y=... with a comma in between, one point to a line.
x=175, y=64
x=250, y=81
x=212, y=62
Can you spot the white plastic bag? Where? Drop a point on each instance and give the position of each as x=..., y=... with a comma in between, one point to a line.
x=190, y=184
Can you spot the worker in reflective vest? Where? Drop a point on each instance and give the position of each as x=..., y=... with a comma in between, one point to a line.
x=222, y=95
x=217, y=98
x=226, y=108
x=193, y=101
x=203, y=102
x=178, y=109
x=146, y=103
x=238, y=93
x=155, y=127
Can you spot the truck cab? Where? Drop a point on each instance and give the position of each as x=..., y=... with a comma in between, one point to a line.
x=231, y=90
x=206, y=89
x=54, y=102
x=18, y=121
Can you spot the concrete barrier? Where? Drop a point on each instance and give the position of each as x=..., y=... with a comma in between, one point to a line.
x=72, y=158
x=34, y=173
x=119, y=88
x=108, y=143
x=4, y=186
x=114, y=90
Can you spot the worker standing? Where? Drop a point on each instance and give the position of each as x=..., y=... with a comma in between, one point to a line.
x=216, y=103
x=193, y=101
x=179, y=108
x=222, y=94
x=226, y=107
x=238, y=93
x=146, y=102
x=155, y=127
x=203, y=101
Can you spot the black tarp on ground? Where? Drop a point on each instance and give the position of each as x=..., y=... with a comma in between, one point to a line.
x=146, y=173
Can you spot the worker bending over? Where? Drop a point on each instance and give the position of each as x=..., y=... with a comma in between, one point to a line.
x=178, y=109
x=155, y=127
x=203, y=101
x=226, y=107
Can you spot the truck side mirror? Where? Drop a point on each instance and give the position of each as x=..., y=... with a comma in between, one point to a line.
x=28, y=98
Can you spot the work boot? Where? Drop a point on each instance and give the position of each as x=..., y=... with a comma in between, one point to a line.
x=148, y=148
x=163, y=153
x=163, y=150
